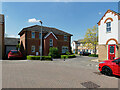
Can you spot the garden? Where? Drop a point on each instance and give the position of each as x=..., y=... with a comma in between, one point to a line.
x=53, y=53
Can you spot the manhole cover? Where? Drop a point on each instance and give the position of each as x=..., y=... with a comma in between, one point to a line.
x=98, y=73
x=90, y=84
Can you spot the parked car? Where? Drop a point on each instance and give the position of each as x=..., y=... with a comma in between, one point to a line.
x=15, y=54
x=85, y=53
x=110, y=67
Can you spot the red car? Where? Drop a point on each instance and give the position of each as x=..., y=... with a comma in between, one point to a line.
x=110, y=67
x=14, y=54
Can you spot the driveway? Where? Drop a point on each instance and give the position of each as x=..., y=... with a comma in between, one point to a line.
x=79, y=72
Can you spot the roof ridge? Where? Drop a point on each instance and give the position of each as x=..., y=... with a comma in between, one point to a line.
x=51, y=29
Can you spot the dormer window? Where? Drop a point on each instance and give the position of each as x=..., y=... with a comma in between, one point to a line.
x=108, y=27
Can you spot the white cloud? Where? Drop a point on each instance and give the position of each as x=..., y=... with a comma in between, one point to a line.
x=100, y=13
x=12, y=36
x=33, y=20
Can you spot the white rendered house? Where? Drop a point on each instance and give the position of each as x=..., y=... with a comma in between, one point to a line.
x=109, y=36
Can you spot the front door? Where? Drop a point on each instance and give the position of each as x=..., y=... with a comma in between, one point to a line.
x=111, y=51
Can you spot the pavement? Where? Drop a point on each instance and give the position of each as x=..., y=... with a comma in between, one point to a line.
x=79, y=72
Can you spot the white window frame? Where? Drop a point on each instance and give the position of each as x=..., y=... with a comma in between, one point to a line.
x=51, y=43
x=108, y=27
x=63, y=49
x=33, y=48
x=32, y=35
x=65, y=38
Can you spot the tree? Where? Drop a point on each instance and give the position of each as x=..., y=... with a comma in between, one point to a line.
x=18, y=46
x=53, y=52
x=91, y=38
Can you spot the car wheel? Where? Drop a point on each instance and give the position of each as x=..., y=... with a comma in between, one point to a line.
x=107, y=71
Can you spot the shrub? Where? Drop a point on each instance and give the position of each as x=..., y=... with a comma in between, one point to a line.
x=76, y=52
x=38, y=57
x=53, y=52
x=67, y=53
x=93, y=55
x=67, y=56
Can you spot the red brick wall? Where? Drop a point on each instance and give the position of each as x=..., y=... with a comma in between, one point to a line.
x=47, y=44
x=33, y=42
x=61, y=43
x=28, y=42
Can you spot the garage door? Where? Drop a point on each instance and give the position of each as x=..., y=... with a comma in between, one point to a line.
x=8, y=48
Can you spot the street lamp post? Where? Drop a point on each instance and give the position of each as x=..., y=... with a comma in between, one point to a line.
x=41, y=42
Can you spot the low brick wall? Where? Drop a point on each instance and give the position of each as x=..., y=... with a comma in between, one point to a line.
x=102, y=52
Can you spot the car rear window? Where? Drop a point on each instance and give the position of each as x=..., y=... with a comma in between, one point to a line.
x=14, y=52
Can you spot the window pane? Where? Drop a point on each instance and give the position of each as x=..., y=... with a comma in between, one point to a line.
x=39, y=35
x=51, y=42
x=65, y=38
x=65, y=49
x=33, y=49
x=108, y=27
x=33, y=34
x=111, y=49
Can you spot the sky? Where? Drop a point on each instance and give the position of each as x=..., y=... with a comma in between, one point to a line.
x=72, y=17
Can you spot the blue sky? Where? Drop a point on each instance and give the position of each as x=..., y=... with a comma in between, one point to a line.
x=72, y=17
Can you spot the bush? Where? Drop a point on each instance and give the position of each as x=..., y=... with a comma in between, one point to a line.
x=38, y=58
x=53, y=52
x=67, y=56
x=93, y=55
x=76, y=52
x=67, y=53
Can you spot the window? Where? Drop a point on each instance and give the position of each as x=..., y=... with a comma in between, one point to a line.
x=51, y=42
x=90, y=50
x=86, y=50
x=33, y=34
x=39, y=35
x=64, y=49
x=112, y=49
x=83, y=50
x=33, y=49
x=108, y=25
x=65, y=37
x=117, y=60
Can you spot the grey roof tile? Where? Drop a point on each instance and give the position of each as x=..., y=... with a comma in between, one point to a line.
x=37, y=28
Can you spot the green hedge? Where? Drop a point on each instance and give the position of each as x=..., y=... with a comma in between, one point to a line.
x=93, y=55
x=67, y=56
x=38, y=58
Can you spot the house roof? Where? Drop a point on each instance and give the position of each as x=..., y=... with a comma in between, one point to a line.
x=37, y=28
x=108, y=12
x=11, y=41
x=49, y=34
x=79, y=41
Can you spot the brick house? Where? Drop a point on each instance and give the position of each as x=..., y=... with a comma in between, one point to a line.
x=30, y=40
x=2, y=36
x=78, y=46
x=109, y=35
